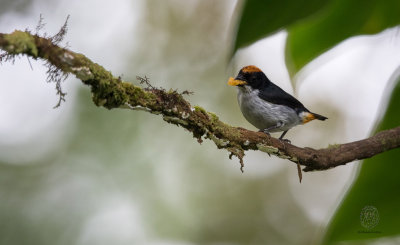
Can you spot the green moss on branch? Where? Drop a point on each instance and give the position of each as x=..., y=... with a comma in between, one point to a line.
x=111, y=92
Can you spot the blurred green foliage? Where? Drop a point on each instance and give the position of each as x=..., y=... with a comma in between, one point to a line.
x=313, y=26
x=262, y=18
x=340, y=20
x=377, y=185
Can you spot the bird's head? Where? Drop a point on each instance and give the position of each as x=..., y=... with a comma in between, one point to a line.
x=251, y=76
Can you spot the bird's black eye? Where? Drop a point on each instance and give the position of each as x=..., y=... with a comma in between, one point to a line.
x=256, y=79
x=253, y=77
x=248, y=77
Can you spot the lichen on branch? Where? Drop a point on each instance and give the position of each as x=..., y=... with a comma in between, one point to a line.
x=112, y=92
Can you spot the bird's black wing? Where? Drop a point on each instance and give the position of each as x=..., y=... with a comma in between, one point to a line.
x=276, y=95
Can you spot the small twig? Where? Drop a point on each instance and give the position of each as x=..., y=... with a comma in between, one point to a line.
x=186, y=92
x=299, y=173
x=57, y=76
x=146, y=81
x=29, y=61
x=40, y=25
x=59, y=36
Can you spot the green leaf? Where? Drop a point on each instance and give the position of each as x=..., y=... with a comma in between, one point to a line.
x=377, y=185
x=261, y=18
x=338, y=21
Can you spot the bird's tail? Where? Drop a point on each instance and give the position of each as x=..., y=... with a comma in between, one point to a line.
x=309, y=116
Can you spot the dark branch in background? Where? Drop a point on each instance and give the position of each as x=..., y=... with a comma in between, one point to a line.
x=111, y=92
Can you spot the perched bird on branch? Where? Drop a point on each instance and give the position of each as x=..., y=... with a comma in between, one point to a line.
x=267, y=106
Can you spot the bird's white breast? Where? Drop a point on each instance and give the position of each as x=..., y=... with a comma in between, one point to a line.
x=263, y=114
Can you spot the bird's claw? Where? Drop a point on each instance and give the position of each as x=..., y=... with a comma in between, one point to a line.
x=264, y=131
x=286, y=140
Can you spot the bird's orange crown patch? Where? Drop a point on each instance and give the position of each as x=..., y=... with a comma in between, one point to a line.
x=250, y=69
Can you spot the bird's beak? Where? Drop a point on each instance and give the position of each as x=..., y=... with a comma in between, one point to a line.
x=236, y=82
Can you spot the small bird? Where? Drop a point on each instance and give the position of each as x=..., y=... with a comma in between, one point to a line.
x=267, y=106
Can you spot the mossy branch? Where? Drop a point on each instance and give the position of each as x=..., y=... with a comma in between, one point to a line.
x=111, y=92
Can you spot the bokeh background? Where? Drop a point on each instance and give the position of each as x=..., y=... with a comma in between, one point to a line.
x=80, y=174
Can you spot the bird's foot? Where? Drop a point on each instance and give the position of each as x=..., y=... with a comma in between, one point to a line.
x=265, y=131
x=286, y=140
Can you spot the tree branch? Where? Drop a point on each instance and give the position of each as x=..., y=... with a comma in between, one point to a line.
x=111, y=92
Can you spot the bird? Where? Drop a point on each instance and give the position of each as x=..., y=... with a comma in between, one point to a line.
x=266, y=106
